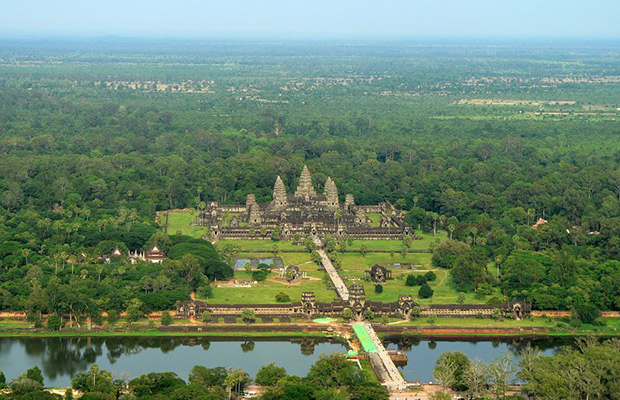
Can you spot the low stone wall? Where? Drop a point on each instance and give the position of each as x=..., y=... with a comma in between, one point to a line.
x=396, y=252
x=308, y=328
x=457, y=331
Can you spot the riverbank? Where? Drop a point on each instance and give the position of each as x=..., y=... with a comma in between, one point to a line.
x=442, y=327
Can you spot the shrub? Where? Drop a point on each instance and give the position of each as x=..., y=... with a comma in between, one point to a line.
x=53, y=323
x=420, y=280
x=425, y=292
x=259, y=275
x=411, y=280
x=166, y=318
x=430, y=276
x=378, y=289
x=205, y=317
x=112, y=317
x=283, y=298
x=587, y=313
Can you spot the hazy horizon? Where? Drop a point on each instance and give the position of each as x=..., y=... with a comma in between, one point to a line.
x=321, y=20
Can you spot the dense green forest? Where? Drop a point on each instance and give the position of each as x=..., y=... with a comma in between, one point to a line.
x=478, y=140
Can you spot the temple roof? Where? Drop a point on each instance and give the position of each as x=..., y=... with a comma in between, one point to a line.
x=305, y=187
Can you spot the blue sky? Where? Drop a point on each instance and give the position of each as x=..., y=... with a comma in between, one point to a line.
x=301, y=19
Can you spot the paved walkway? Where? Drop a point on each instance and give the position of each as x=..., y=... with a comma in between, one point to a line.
x=341, y=288
x=380, y=359
x=381, y=362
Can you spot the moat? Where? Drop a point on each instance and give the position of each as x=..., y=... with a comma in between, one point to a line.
x=62, y=358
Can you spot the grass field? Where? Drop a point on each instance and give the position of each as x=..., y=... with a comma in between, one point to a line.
x=250, y=245
x=375, y=219
x=425, y=242
x=180, y=221
x=265, y=292
x=354, y=267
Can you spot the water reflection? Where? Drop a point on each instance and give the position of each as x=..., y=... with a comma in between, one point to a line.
x=62, y=358
x=423, y=354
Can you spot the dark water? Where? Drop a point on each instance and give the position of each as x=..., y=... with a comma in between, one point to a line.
x=62, y=358
x=424, y=353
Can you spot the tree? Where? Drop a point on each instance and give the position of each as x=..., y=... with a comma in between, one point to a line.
x=425, y=292
x=112, y=317
x=445, y=372
x=476, y=379
x=208, y=377
x=369, y=391
x=411, y=280
x=247, y=315
x=455, y=362
x=378, y=288
x=53, y=323
x=347, y=314
x=501, y=372
x=461, y=299
x=134, y=310
x=332, y=371
x=282, y=297
x=447, y=252
x=587, y=313
x=237, y=380
x=432, y=319
x=206, y=316
x=470, y=270
x=363, y=250
x=269, y=375
x=430, y=276
x=35, y=374
x=166, y=318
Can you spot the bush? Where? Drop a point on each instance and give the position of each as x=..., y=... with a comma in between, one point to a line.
x=420, y=280
x=206, y=317
x=283, y=298
x=411, y=280
x=53, y=323
x=166, y=318
x=112, y=317
x=425, y=292
x=378, y=289
x=430, y=276
x=259, y=275
x=587, y=313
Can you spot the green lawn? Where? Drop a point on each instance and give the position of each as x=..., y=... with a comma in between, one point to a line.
x=375, y=219
x=180, y=221
x=354, y=267
x=249, y=245
x=483, y=322
x=302, y=260
x=424, y=243
x=265, y=292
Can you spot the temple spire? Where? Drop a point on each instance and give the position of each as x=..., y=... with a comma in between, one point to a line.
x=305, y=188
x=279, y=194
x=331, y=193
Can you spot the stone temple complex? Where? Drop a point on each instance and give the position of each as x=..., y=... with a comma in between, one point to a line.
x=303, y=212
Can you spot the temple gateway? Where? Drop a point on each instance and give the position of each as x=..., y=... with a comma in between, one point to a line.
x=303, y=212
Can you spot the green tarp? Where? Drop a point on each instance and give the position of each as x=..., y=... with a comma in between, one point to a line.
x=365, y=339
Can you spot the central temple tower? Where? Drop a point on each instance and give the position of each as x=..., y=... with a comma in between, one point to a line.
x=305, y=189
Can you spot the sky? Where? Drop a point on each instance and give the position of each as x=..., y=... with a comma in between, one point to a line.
x=310, y=19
